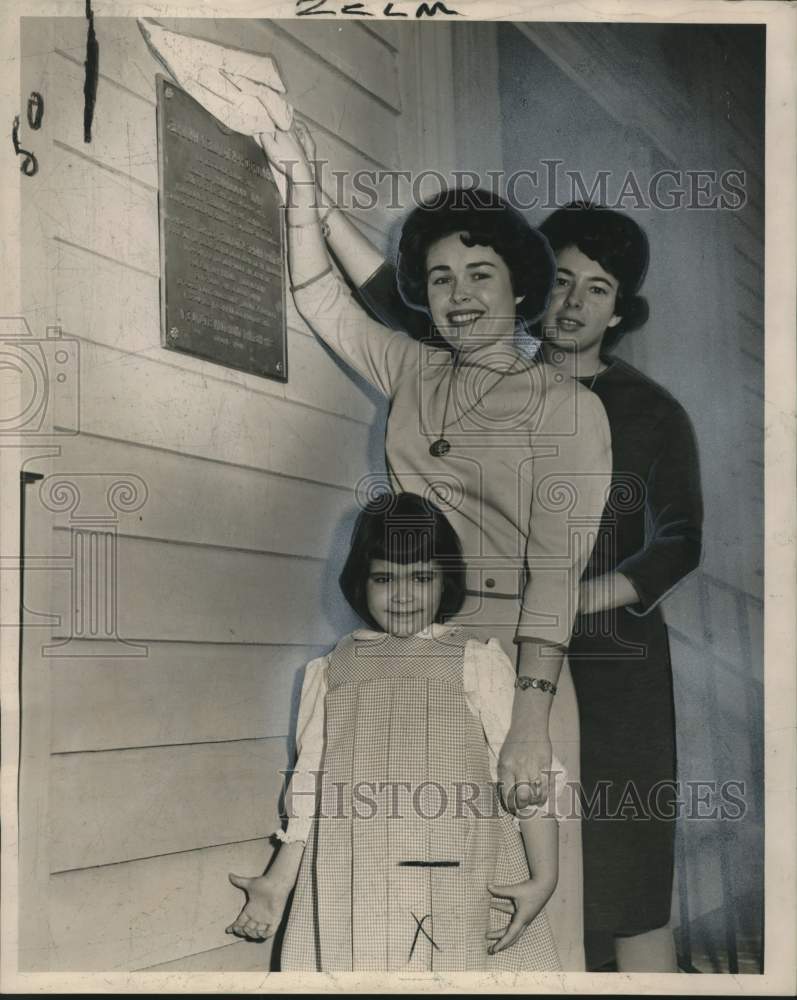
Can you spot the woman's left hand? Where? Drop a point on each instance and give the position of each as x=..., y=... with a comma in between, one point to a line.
x=523, y=772
x=528, y=899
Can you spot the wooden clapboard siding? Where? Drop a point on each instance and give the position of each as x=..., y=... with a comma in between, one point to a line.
x=127, y=397
x=192, y=500
x=177, y=693
x=82, y=196
x=139, y=914
x=741, y=132
x=192, y=796
x=34, y=763
x=205, y=593
x=362, y=58
x=242, y=956
x=388, y=32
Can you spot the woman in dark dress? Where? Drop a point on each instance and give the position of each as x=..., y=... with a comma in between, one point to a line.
x=650, y=539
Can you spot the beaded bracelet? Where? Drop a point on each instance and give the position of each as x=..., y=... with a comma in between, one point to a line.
x=538, y=683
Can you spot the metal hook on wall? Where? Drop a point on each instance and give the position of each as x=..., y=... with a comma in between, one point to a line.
x=30, y=164
x=35, y=109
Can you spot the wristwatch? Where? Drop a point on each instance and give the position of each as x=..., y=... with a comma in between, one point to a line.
x=539, y=683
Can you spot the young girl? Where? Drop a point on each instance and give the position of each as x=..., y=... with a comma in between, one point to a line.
x=404, y=855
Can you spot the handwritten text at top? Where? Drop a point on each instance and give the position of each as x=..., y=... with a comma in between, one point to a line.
x=310, y=8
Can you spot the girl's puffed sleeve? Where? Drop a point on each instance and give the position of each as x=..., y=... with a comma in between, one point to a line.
x=489, y=682
x=381, y=356
x=566, y=484
x=301, y=798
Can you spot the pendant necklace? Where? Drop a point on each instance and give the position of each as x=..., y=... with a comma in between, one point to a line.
x=598, y=371
x=441, y=447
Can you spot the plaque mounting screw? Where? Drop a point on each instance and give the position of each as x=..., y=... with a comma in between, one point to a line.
x=169, y=92
x=278, y=366
x=174, y=333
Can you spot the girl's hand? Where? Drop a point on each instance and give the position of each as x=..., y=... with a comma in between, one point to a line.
x=265, y=904
x=528, y=899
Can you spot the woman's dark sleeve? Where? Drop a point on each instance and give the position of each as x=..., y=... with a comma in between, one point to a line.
x=380, y=295
x=674, y=516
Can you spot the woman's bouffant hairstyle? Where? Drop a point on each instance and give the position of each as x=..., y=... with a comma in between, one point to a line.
x=618, y=244
x=403, y=528
x=486, y=220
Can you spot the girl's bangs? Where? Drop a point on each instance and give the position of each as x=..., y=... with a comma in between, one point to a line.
x=402, y=544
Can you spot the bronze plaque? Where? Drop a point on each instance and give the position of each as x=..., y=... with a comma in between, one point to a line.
x=221, y=241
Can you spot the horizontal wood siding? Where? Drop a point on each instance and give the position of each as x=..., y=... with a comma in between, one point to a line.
x=190, y=797
x=139, y=914
x=198, y=593
x=176, y=693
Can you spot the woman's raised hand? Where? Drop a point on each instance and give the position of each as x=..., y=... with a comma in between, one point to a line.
x=286, y=153
x=265, y=904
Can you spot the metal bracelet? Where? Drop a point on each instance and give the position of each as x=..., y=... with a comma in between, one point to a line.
x=311, y=281
x=538, y=683
x=302, y=225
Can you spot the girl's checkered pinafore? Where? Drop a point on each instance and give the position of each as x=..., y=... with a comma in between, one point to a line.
x=406, y=782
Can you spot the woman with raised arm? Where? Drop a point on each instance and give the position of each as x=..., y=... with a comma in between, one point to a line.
x=650, y=539
x=516, y=453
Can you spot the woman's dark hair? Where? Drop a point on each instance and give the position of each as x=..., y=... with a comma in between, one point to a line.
x=403, y=528
x=618, y=244
x=487, y=220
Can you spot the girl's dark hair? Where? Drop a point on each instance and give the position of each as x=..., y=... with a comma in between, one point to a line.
x=487, y=220
x=618, y=244
x=403, y=528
